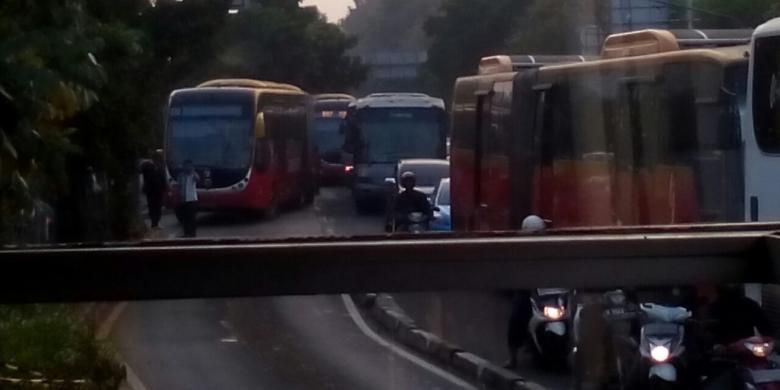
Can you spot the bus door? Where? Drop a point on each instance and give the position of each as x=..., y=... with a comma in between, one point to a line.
x=286, y=148
x=493, y=195
x=481, y=126
x=762, y=139
x=523, y=153
x=543, y=186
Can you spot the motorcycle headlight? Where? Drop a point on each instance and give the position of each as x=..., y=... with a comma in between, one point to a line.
x=760, y=349
x=553, y=313
x=659, y=353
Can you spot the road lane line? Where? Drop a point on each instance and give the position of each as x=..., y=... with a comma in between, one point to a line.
x=361, y=324
x=132, y=380
x=108, y=323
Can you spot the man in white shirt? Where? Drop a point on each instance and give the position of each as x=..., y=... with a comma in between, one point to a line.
x=188, y=191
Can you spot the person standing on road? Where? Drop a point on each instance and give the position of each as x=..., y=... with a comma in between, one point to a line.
x=517, y=330
x=188, y=192
x=154, y=188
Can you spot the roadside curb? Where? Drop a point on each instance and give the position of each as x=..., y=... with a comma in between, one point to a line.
x=391, y=317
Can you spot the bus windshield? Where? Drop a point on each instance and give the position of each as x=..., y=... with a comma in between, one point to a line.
x=392, y=134
x=209, y=138
x=328, y=136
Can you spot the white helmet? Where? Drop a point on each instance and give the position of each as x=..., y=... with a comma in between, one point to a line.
x=533, y=223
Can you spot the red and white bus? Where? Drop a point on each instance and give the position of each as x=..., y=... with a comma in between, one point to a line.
x=249, y=141
x=648, y=134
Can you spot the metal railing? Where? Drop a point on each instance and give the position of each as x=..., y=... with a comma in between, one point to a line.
x=582, y=258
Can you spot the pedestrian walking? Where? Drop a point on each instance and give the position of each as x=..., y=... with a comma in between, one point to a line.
x=188, y=192
x=154, y=188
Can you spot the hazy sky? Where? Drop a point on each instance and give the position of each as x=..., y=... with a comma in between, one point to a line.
x=335, y=9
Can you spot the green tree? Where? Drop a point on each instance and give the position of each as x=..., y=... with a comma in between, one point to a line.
x=49, y=74
x=460, y=36
x=288, y=44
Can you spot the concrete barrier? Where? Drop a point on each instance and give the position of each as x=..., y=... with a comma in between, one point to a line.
x=385, y=311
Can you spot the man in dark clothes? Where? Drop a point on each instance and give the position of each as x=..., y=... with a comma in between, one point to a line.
x=410, y=201
x=517, y=331
x=737, y=317
x=154, y=188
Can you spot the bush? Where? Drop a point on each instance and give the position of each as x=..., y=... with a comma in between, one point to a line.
x=51, y=342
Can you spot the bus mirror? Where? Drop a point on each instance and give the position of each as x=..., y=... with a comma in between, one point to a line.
x=260, y=125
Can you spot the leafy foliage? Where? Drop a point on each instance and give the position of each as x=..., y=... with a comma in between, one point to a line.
x=52, y=342
x=288, y=44
x=459, y=36
x=83, y=84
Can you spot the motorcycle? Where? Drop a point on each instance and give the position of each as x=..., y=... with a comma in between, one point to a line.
x=605, y=345
x=746, y=364
x=548, y=324
x=415, y=223
x=661, y=345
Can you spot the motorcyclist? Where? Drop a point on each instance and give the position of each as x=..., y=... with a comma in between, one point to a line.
x=736, y=317
x=410, y=201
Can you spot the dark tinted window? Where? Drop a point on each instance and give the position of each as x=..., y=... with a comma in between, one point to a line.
x=766, y=94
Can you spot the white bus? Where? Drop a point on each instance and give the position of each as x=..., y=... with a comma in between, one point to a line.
x=762, y=144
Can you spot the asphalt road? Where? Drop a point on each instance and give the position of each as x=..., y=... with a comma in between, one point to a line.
x=269, y=343
x=301, y=342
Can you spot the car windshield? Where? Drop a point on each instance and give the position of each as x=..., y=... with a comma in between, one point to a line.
x=206, y=194
x=427, y=175
x=443, y=197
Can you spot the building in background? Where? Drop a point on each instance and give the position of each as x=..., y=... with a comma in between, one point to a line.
x=393, y=71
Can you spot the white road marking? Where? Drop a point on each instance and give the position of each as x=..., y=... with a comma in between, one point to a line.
x=108, y=323
x=132, y=380
x=361, y=324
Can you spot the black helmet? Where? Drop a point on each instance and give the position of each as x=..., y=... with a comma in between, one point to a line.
x=408, y=178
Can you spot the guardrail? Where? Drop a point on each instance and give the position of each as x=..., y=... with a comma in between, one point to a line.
x=582, y=258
